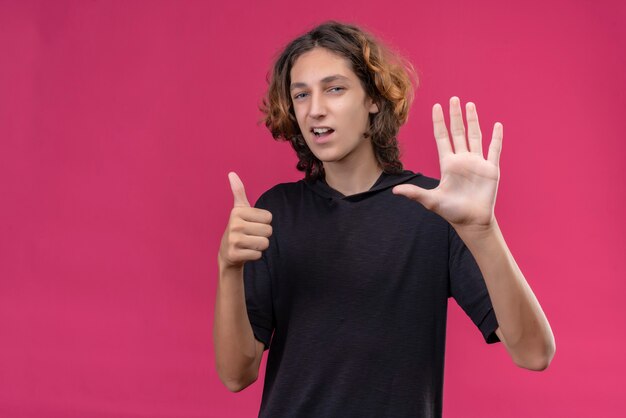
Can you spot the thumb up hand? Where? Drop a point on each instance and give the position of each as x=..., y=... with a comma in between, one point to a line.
x=248, y=230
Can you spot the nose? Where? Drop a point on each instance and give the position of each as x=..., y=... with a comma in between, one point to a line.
x=318, y=106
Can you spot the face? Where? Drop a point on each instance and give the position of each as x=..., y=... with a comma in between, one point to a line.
x=331, y=106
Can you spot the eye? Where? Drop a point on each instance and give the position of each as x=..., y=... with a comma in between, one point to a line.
x=336, y=89
x=299, y=96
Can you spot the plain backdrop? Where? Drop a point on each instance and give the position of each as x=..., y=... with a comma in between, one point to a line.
x=119, y=121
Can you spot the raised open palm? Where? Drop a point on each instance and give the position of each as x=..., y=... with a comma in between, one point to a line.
x=466, y=194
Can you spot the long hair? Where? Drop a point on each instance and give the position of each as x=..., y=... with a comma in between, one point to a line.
x=385, y=77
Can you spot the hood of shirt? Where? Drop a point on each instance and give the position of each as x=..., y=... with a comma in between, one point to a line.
x=384, y=182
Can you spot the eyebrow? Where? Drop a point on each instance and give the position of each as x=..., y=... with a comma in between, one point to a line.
x=324, y=80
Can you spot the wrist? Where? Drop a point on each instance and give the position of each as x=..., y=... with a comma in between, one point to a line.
x=478, y=233
x=225, y=266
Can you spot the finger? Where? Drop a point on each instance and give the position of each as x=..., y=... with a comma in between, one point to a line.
x=495, y=148
x=239, y=193
x=420, y=195
x=248, y=242
x=441, y=133
x=249, y=214
x=257, y=229
x=457, y=128
x=248, y=255
x=474, y=135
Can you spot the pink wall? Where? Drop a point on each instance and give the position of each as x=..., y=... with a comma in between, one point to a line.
x=120, y=120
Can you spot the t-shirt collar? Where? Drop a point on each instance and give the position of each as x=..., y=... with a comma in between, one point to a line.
x=384, y=181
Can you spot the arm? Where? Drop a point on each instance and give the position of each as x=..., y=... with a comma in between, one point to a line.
x=523, y=328
x=466, y=197
x=237, y=352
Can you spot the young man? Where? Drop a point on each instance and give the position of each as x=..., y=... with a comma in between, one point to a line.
x=345, y=275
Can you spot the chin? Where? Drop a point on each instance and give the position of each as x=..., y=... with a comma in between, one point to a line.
x=328, y=156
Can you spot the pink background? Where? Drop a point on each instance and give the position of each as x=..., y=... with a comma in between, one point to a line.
x=120, y=120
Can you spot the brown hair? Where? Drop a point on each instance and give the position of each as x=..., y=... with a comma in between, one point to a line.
x=385, y=77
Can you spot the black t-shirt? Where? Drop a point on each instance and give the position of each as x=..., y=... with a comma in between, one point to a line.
x=351, y=300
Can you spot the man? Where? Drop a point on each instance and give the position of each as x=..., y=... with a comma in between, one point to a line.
x=345, y=275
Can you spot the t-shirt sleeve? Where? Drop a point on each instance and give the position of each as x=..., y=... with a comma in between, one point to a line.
x=468, y=288
x=258, y=290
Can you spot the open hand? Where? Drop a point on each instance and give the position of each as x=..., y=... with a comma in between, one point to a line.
x=466, y=194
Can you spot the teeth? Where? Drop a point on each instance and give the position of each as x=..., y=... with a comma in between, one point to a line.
x=320, y=130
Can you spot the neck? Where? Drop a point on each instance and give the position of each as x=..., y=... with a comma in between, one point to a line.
x=353, y=175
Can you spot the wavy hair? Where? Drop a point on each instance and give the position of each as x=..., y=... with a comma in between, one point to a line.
x=384, y=75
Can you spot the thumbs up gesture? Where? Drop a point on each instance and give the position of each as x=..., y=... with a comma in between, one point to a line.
x=248, y=230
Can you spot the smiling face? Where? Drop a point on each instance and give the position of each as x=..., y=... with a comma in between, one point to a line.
x=331, y=107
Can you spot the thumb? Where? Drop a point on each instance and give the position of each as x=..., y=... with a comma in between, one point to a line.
x=239, y=192
x=420, y=195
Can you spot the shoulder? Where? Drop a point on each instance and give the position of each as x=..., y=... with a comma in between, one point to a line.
x=280, y=193
x=418, y=211
x=423, y=181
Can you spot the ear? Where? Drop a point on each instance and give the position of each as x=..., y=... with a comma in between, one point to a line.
x=373, y=107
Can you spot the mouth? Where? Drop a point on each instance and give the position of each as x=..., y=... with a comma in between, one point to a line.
x=320, y=133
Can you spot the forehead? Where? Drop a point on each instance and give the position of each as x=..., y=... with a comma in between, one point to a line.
x=319, y=63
